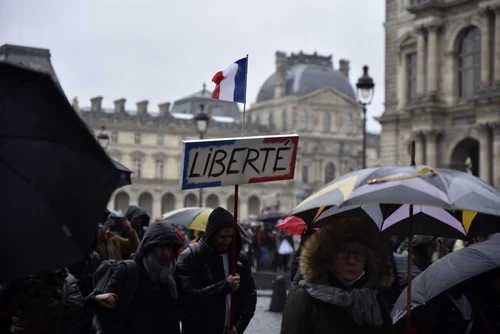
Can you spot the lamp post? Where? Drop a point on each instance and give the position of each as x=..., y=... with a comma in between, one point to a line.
x=201, y=121
x=103, y=138
x=365, y=88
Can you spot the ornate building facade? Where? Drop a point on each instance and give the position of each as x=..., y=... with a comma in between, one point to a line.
x=442, y=85
x=306, y=95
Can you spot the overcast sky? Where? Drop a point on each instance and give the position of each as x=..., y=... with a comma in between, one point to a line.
x=161, y=50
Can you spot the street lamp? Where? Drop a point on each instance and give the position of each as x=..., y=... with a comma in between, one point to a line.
x=365, y=88
x=201, y=120
x=103, y=138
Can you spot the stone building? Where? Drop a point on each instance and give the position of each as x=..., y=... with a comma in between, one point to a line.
x=305, y=95
x=442, y=85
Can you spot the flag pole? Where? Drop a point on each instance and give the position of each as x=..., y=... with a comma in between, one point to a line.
x=234, y=250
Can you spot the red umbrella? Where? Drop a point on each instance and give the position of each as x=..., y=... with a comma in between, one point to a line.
x=293, y=225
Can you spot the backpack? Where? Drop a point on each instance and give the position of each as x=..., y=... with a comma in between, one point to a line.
x=105, y=272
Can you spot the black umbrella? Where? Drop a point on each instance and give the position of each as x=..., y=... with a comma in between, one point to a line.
x=55, y=178
x=449, y=271
x=125, y=174
x=271, y=216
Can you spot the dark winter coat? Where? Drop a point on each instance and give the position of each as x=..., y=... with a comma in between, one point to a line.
x=203, y=286
x=49, y=303
x=149, y=311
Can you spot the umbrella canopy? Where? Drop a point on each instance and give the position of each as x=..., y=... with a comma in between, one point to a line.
x=453, y=269
x=56, y=178
x=192, y=218
x=292, y=225
x=271, y=216
x=125, y=174
x=418, y=185
x=393, y=219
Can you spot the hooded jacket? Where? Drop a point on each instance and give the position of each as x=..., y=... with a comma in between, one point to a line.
x=134, y=212
x=149, y=311
x=203, y=286
x=319, y=312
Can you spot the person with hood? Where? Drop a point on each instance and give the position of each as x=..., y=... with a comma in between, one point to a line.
x=49, y=302
x=139, y=219
x=340, y=290
x=206, y=283
x=151, y=306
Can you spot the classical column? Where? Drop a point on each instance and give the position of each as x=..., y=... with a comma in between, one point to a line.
x=497, y=46
x=486, y=60
x=496, y=155
x=431, y=147
x=420, y=62
x=484, y=131
x=432, y=60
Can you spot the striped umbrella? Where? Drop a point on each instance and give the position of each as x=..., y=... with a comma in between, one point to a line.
x=193, y=218
x=393, y=219
x=418, y=185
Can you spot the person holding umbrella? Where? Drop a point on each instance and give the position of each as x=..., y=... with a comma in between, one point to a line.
x=341, y=281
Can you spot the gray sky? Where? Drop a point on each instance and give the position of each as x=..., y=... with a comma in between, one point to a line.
x=162, y=50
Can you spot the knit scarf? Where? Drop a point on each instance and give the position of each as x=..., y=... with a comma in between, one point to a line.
x=361, y=303
x=159, y=273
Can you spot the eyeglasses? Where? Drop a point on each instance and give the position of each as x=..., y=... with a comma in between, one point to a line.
x=346, y=253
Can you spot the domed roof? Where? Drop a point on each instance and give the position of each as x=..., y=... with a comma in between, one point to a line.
x=303, y=79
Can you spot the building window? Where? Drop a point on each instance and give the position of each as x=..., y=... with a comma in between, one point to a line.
x=305, y=174
x=469, y=62
x=137, y=138
x=114, y=137
x=137, y=167
x=411, y=76
x=303, y=121
x=271, y=120
x=160, y=166
x=329, y=172
x=285, y=120
x=160, y=139
x=327, y=122
x=348, y=124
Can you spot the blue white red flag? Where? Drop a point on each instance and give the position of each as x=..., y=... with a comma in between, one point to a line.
x=231, y=82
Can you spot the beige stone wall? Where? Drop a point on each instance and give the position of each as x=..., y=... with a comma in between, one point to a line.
x=445, y=126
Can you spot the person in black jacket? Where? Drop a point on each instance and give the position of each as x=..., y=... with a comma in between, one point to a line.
x=139, y=220
x=148, y=301
x=49, y=302
x=206, y=283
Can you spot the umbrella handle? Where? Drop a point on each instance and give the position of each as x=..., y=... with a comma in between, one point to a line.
x=410, y=267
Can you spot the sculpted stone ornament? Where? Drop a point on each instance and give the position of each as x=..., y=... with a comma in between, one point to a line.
x=75, y=105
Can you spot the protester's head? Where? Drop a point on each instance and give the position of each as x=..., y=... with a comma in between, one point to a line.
x=219, y=231
x=425, y=244
x=163, y=253
x=160, y=242
x=343, y=248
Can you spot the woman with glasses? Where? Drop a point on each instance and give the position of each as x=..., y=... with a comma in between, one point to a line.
x=342, y=277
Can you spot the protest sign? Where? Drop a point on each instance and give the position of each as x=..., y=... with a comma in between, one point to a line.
x=222, y=162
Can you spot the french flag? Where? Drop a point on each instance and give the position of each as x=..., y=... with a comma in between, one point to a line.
x=231, y=83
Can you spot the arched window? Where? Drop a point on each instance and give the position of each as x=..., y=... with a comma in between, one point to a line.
x=469, y=62
x=329, y=172
x=302, y=121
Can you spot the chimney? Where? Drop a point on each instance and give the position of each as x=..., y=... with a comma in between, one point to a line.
x=120, y=105
x=96, y=104
x=142, y=107
x=164, y=108
x=344, y=67
x=280, y=85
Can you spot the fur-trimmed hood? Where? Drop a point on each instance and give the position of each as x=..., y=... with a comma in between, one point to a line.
x=319, y=250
